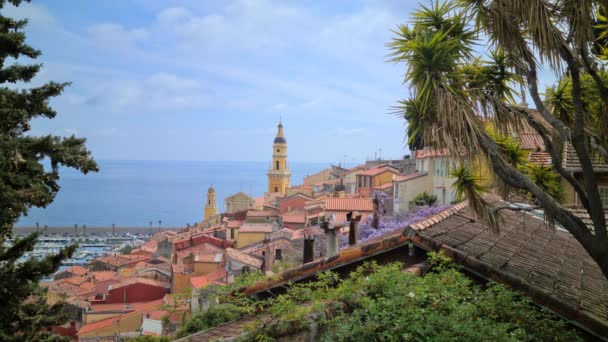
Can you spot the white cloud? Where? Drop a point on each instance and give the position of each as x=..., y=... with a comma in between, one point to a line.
x=115, y=35
x=161, y=91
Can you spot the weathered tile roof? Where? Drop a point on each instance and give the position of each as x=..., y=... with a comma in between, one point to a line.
x=539, y=158
x=77, y=270
x=526, y=254
x=225, y=331
x=217, y=277
x=378, y=170
x=348, y=204
x=428, y=153
x=131, y=281
x=414, y=175
x=584, y=215
x=531, y=141
x=571, y=163
x=243, y=258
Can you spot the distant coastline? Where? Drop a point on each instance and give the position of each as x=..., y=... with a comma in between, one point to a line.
x=22, y=230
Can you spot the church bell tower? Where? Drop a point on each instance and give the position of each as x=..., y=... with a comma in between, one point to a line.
x=278, y=173
x=211, y=205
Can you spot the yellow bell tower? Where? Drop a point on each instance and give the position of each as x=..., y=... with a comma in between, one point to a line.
x=278, y=173
x=211, y=205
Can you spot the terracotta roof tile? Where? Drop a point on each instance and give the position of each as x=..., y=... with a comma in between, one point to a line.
x=539, y=158
x=217, y=277
x=428, y=153
x=571, y=163
x=404, y=178
x=531, y=141
x=548, y=260
x=348, y=204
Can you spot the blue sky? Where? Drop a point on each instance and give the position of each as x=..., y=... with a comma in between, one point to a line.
x=208, y=80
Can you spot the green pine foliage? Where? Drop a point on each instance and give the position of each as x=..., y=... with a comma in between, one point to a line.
x=25, y=182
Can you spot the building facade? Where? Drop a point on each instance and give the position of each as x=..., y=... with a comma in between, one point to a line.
x=278, y=173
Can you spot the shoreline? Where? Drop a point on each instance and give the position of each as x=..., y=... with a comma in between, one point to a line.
x=91, y=230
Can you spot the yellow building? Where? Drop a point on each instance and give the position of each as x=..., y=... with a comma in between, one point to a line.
x=211, y=206
x=278, y=173
x=250, y=233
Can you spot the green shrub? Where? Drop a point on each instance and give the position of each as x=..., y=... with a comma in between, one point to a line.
x=213, y=317
x=424, y=199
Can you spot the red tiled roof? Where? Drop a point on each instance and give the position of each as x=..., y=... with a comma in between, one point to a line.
x=384, y=186
x=428, y=153
x=299, y=218
x=99, y=276
x=348, y=204
x=131, y=281
x=404, y=178
x=216, y=277
x=114, y=320
x=341, y=217
x=531, y=141
x=77, y=270
x=378, y=170
x=77, y=280
x=540, y=158
x=150, y=246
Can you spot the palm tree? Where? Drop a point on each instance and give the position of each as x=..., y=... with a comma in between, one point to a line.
x=546, y=179
x=454, y=93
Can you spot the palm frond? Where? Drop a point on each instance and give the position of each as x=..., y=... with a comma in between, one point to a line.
x=468, y=186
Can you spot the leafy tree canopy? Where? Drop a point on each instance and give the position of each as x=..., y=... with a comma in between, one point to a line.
x=454, y=93
x=29, y=175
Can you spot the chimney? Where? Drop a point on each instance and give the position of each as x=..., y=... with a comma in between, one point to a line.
x=353, y=229
x=332, y=238
x=309, y=247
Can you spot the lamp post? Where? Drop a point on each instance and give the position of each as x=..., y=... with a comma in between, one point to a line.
x=37, y=225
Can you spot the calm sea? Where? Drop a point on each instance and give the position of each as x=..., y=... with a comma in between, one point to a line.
x=133, y=193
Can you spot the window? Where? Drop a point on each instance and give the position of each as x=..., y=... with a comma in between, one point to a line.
x=278, y=150
x=604, y=194
x=359, y=181
x=232, y=233
x=396, y=191
x=278, y=254
x=276, y=189
x=277, y=164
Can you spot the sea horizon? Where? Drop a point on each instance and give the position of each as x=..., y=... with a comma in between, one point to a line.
x=133, y=193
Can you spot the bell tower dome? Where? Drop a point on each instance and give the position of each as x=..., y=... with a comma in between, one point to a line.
x=278, y=173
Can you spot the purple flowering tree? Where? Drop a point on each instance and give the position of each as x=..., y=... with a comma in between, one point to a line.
x=390, y=223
